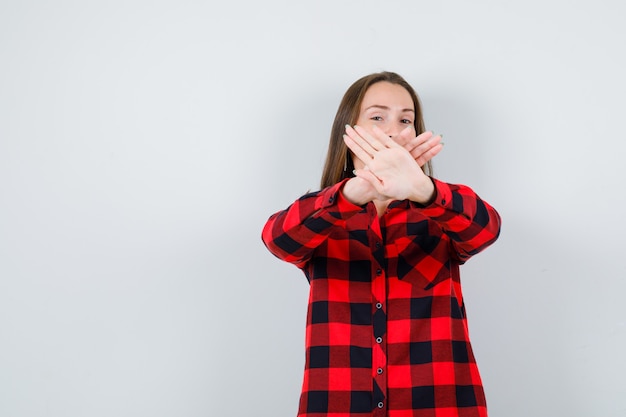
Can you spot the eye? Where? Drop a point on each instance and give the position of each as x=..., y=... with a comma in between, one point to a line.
x=406, y=121
x=376, y=118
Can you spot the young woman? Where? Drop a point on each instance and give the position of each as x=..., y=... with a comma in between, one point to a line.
x=381, y=244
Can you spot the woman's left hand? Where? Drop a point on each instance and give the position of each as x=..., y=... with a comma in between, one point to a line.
x=422, y=147
x=391, y=169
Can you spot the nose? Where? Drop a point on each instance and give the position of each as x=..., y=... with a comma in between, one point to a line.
x=392, y=131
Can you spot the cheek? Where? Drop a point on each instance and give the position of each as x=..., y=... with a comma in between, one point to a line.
x=364, y=122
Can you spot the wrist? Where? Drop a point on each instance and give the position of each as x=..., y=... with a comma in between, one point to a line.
x=352, y=192
x=424, y=192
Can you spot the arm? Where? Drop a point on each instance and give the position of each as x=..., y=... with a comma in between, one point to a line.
x=293, y=234
x=393, y=171
x=470, y=223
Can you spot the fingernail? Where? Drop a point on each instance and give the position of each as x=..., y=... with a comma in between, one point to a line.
x=347, y=126
x=442, y=143
x=354, y=172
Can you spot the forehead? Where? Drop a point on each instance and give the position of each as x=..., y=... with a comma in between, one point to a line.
x=386, y=94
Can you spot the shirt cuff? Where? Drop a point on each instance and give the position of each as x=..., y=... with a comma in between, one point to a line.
x=441, y=200
x=443, y=194
x=333, y=197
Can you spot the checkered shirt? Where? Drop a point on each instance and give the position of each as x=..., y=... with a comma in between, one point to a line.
x=386, y=331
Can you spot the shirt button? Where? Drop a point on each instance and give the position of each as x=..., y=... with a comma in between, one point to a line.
x=379, y=371
x=443, y=202
x=379, y=271
x=379, y=340
x=381, y=405
x=331, y=199
x=379, y=305
x=378, y=244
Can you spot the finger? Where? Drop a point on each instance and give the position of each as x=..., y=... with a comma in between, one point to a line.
x=429, y=154
x=425, y=145
x=367, y=175
x=405, y=136
x=376, y=182
x=360, y=141
x=418, y=140
x=368, y=169
x=384, y=139
x=358, y=151
x=371, y=138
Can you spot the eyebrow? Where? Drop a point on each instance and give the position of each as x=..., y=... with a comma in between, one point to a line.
x=378, y=106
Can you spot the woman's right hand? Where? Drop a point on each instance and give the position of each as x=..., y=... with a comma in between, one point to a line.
x=360, y=191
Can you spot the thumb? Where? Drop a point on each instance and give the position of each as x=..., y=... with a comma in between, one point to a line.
x=406, y=135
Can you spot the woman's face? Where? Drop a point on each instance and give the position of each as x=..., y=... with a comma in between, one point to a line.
x=388, y=106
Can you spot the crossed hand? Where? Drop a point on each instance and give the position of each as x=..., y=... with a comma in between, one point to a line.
x=390, y=169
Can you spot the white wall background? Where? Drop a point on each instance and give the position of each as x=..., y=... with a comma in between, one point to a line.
x=143, y=144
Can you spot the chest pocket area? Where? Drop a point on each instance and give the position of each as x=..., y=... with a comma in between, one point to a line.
x=421, y=260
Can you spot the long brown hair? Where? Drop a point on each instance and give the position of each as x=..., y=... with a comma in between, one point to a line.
x=338, y=164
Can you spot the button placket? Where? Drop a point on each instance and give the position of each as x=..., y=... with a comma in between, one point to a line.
x=379, y=319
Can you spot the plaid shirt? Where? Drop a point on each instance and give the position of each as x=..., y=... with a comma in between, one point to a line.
x=386, y=328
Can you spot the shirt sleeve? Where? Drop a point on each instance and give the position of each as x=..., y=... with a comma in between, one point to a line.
x=293, y=234
x=470, y=223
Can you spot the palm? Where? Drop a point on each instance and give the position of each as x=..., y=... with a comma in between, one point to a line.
x=391, y=170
